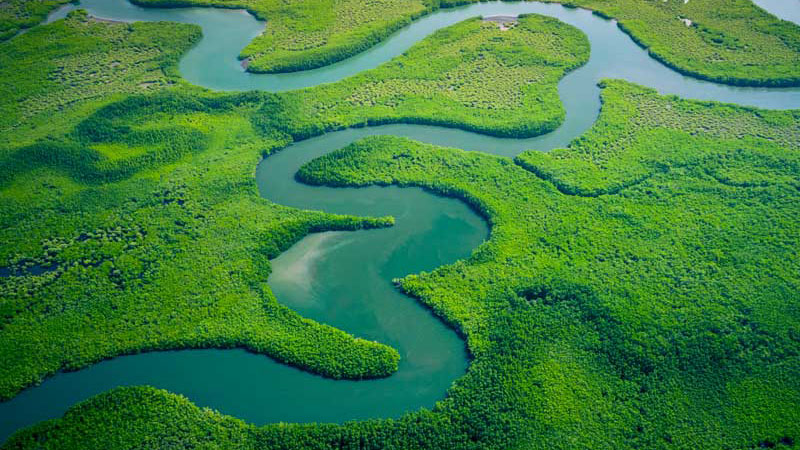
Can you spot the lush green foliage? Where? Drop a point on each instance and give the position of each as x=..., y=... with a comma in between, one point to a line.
x=133, y=197
x=16, y=15
x=67, y=68
x=657, y=309
x=677, y=293
x=151, y=220
x=313, y=33
x=728, y=41
x=471, y=75
x=172, y=257
x=661, y=316
x=642, y=134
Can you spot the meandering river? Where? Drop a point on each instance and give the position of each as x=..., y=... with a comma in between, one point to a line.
x=344, y=278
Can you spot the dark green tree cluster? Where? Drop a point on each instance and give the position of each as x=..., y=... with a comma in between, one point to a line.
x=115, y=123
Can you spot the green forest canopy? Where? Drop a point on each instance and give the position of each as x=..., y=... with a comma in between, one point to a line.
x=658, y=316
x=638, y=289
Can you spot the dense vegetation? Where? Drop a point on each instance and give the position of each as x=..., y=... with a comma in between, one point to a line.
x=129, y=255
x=638, y=289
x=471, y=75
x=687, y=278
x=632, y=144
x=52, y=76
x=309, y=34
x=728, y=41
x=17, y=15
x=732, y=42
x=133, y=197
x=663, y=315
x=134, y=204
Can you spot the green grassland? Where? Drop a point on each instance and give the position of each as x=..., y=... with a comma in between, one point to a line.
x=728, y=41
x=17, y=15
x=662, y=315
